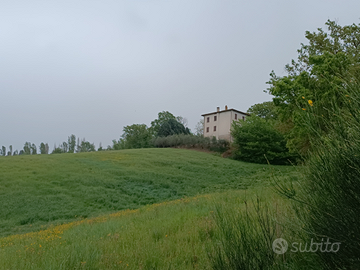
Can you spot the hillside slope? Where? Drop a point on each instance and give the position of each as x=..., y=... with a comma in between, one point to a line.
x=52, y=189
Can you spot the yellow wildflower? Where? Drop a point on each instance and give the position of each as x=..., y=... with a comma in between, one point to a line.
x=304, y=109
x=310, y=102
x=303, y=97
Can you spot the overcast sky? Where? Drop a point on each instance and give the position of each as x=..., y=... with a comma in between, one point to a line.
x=89, y=67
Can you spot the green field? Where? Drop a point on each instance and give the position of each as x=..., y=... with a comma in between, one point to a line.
x=37, y=191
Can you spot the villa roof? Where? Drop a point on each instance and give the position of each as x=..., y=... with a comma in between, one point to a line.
x=226, y=111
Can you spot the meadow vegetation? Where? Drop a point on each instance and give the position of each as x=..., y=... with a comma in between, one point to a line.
x=41, y=189
x=174, y=234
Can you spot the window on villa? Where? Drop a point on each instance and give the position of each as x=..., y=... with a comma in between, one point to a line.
x=207, y=129
x=243, y=118
x=215, y=118
x=208, y=119
x=235, y=116
x=214, y=128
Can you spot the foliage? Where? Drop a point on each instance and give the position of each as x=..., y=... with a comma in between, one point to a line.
x=266, y=110
x=172, y=127
x=316, y=78
x=27, y=148
x=162, y=117
x=134, y=136
x=71, y=143
x=44, y=148
x=256, y=140
x=192, y=141
x=86, y=146
x=57, y=150
x=167, y=235
x=329, y=203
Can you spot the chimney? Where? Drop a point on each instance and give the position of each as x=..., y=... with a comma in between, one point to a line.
x=218, y=109
x=225, y=107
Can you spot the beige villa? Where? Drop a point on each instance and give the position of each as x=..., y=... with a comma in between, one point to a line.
x=218, y=124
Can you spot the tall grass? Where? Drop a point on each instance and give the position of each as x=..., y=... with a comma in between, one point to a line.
x=246, y=238
x=167, y=235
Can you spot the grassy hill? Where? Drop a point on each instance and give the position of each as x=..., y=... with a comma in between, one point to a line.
x=42, y=189
x=84, y=196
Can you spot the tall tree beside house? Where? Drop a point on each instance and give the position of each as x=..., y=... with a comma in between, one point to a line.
x=266, y=110
x=163, y=117
x=316, y=78
x=172, y=127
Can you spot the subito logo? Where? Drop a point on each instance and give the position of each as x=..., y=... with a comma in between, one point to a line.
x=280, y=246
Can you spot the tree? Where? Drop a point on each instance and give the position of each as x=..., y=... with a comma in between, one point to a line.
x=43, y=148
x=72, y=143
x=57, y=150
x=27, y=148
x=100, y=147
x=87, y=146
x=10, y=151
x=162, y=117
x=182, y=120
x=316, y=81
x=33, y=149
x=3, y=150
x=266, y=110
x=64, y=147
x=134, y=136
x=256, y=140
x=199, y=128
x=172, y=127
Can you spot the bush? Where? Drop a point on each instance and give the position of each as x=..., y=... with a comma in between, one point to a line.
x=192, y=141
x=256, y=140
x=330, y=200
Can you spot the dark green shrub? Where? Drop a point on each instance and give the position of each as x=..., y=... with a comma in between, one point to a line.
x=256, y=140
x=192, y=141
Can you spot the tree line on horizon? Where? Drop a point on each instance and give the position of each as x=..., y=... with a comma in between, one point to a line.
x=134, y=136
